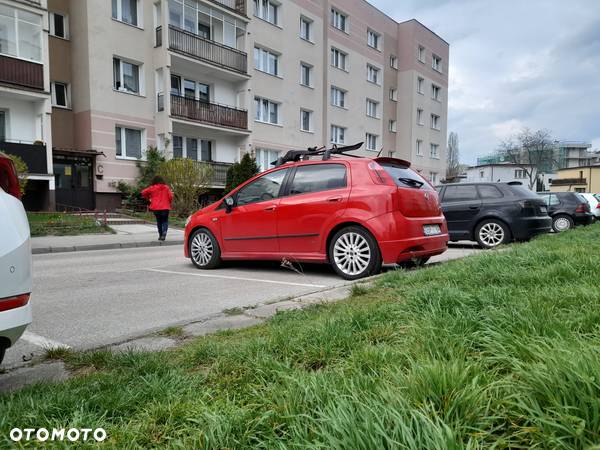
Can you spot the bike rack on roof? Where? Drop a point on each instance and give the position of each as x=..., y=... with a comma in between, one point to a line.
x=297, y=155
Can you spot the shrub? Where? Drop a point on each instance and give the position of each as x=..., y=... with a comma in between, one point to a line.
x=188, y=179
x=240, y=172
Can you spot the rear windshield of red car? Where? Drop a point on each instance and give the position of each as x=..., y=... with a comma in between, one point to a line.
x=404, y=176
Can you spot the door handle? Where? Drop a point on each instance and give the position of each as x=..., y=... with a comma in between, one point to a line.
x=334, y=199
x=270, y=208
x=474, y=207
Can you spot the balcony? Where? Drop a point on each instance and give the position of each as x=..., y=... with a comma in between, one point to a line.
x=34, y=155
x=189, y=44
x=21, y=73
x=219, y=174
x=206, y=112
x=568, y=181
x=238, y=6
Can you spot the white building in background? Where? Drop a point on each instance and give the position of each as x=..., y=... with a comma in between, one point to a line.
x=503, y=173
x=25, y=108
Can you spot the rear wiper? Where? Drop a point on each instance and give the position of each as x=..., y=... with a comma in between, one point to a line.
x=411, y=182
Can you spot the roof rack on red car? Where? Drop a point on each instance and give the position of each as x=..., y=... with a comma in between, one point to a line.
x=297, y=155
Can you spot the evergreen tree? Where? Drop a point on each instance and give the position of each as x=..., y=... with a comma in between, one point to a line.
x=240, y=172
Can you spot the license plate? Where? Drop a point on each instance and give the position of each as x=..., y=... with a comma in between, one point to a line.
x=431, y=230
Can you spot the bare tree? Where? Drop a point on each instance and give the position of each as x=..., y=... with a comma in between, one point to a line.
x=452, y=157
x=531, y=151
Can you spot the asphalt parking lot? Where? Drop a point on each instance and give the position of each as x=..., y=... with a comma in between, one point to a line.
x=89, y=299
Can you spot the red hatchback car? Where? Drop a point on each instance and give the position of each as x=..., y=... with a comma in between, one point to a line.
x=352, y=212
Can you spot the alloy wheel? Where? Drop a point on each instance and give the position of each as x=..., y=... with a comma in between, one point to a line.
x=352, y=253
x=491, y=234
x=202, y=249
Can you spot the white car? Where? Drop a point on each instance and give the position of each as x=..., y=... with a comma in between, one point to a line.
x=15, y=259
x=594, y=201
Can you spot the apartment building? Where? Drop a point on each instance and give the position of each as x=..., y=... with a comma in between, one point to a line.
x=25, y=95
x=211, y=79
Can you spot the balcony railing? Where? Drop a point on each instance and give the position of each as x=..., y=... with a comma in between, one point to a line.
x=239, y=6
x=21, y=73
x=194, y=46
x=34, y=155
x=219, y=174
x=210, y=113
x=568, y=181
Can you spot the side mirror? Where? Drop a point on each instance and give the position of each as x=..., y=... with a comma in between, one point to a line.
x=228, y=204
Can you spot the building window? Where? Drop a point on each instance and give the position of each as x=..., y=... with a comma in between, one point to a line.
x=393, y=62
x=435, y=92
x=266, y=61
x=371, y=140
x=394, y=94
x=266, y=10
x=2, y=126
x=305, y=75
x=435, y=122
x=20, y=34
x=306, y=29
x=338, y=58
x=421, y=53
x=126, y=76
x=60, y=95
x=305, y=120
x=338, y=97
x=520, y=173
x=266, y=111
x=434, y=151
x=392, y=126
x=433, y=177
x=59, y=25
x=373, y=39
x=372, y=107
x=420, y=84
x=420, y=117
x=128, y=142
x=339, y=20
x=372, y=74
x=192, y=148
x=419, y=147
x=436, y=63
x=338, y=134
x=265, y=157
x=481, y=174
x=125, y=11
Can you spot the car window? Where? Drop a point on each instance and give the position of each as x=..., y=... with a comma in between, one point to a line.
x=554, y=200
x=318, y=177
x=460, y=193
x=404, y=176
x=581, y=198
x=489, y=192
x=264, y=188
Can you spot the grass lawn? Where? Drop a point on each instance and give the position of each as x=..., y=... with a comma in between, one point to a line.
x=499, y=350
x=60, y=224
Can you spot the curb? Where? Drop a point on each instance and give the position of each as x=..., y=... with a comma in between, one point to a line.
x=112, y=246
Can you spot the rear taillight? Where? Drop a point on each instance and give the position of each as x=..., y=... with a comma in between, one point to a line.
x=583, y=208
x=13, y=302
x=529, y=208
x=379, y=175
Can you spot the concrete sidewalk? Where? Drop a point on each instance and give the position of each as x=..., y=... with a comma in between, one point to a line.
x=126, y=236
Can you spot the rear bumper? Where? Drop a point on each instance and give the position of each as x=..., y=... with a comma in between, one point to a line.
x=14, y=322
x=402, y=250
x=583, y=219
x=527, y=227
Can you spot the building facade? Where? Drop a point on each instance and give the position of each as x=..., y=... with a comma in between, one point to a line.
x=505, y=173
x=211, y=79
x=577, y=179
x=25, y=110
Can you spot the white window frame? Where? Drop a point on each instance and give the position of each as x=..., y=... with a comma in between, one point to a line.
x=434, y=151
x=372, y=108
x=124, y=148
x=309, y=29
x=65, y=19
x=310, y=120
x=263, y=113
x=335, y=20
x=262, y=11
x=17, y=21
x=435, y=122
x=184, y=149
x=373, y=39
x=264, y=156
x=394, y=62
x=336, y=131
x=310, y=74
x=67, y=95
x=139, y=14
x=420, y=84
x=436, y=92
x=373, y=74
x=264, y=58
x=433, y=178
x=392, y=126
x=436, y=63
x=419, y=147
x=421, y=53
x=121, y=87
x=337, y=56
x=336, y=95
x=371, y=141
x=420, y=113
x=394, y=94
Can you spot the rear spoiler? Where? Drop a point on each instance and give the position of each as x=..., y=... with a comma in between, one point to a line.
x=387, y=159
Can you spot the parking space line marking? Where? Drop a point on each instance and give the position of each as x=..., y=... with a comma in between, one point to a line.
x=41, y=341
x=226, y=277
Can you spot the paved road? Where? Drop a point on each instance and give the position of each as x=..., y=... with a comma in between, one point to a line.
x=89, y=299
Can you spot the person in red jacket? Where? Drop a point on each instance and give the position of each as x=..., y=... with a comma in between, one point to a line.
x=160, y=196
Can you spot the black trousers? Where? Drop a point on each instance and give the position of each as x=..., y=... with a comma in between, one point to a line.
x=162, y=221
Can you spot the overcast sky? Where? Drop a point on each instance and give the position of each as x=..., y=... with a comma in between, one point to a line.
x=515, y=64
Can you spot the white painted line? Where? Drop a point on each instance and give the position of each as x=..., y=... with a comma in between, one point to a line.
x=41, y=341
x=225, y=277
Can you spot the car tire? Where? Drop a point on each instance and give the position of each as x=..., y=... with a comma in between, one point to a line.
x=412, y=263
x=2, y=352
x=491, y=233
x=562, y=222
x=204, y=249
x=354, y=253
